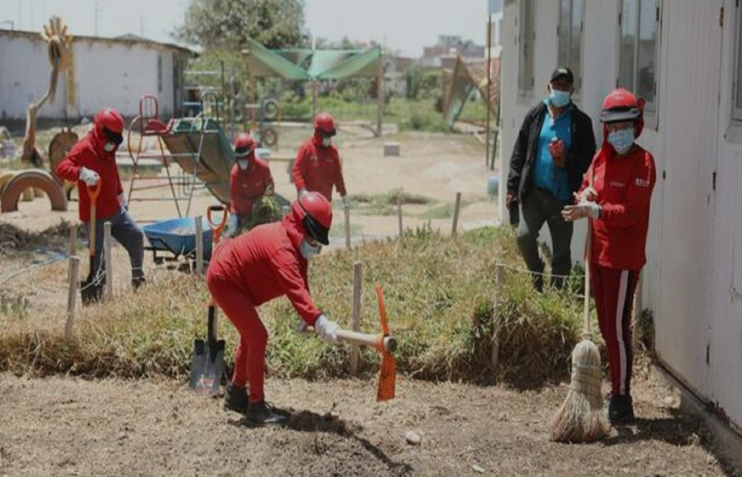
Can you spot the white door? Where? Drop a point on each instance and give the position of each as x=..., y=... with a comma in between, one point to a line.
x=693, y=36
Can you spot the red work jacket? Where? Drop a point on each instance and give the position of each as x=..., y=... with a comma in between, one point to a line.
x=247, y=186
x=317, y=168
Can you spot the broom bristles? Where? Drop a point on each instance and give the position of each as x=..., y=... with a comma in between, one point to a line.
x=581, y=417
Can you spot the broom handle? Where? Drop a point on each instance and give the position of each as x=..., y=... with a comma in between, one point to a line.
x=588, y=252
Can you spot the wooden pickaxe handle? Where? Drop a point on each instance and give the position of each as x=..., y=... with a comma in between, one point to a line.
x=389, y=343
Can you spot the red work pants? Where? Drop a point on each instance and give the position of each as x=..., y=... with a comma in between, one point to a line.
x=249, y=358
x=614, y=295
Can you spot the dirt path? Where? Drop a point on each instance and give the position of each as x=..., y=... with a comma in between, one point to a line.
x=433, y=165
x=64, y=426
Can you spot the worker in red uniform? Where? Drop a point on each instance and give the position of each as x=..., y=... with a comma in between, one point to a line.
x=249, y=180
x=268, y=262
x=317, y=167
x=93, y=160
x=622, y=175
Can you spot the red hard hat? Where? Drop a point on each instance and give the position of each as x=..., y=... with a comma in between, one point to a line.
x=324, y=122
x=314, y=212
x=110, y=124
x=621, y=105
x=244, y=144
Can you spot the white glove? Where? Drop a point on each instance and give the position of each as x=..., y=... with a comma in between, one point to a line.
x=581, y=210
x=346, y=202
x=88, y=176
x=122, y=201
x=326, y=329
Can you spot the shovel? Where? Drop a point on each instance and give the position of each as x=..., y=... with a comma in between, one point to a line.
x=91, y=291
x=208, y=355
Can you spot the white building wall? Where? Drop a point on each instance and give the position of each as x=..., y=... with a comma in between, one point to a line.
x=693, y=279
x=24, y=78
x=107, y=73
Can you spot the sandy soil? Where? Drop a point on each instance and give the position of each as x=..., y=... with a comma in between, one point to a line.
x=63, y=426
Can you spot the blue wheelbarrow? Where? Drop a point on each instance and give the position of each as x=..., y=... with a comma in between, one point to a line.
x=177, y=237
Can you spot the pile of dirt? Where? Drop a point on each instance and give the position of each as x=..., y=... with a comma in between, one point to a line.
x=14, y=239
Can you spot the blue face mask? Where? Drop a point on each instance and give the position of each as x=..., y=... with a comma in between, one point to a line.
x=308, y=251
x=559, y=99
x=621, y=140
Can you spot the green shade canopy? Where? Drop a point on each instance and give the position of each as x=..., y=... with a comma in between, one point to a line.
x=306, y=64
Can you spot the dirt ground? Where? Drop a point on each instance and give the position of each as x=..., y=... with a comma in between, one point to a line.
x=63, y=426
x=433, y=165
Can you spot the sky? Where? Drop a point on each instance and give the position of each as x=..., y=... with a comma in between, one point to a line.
x=403, y=25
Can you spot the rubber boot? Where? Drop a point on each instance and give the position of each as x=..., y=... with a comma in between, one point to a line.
x=236, y=399
x=620, y=409
x=264, y=413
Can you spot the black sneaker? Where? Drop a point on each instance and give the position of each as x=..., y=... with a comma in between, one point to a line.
x=264, y=413
x=620, y=409
x=137, y=281
x=236, y=399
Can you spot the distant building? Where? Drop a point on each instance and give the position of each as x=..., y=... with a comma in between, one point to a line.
x=449, y=47
x=395, y=74
x=112, y=72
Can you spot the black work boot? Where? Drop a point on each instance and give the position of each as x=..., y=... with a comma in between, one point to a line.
x=137, y=281
x=91, y=292
x=620, y=409
x=263, y=413
x=236, y=399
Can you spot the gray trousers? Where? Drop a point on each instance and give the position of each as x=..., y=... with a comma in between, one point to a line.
x=541, y=206
x=128, y=234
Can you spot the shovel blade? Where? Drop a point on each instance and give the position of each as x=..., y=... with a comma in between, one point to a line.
x=207, y=367
x=387, y=378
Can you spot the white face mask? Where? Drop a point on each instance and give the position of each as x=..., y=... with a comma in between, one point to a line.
x=326, y=141
x=109, y=146
x=308, y=251
x=242, y=163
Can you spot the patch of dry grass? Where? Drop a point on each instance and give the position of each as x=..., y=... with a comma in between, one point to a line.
x=438, y=293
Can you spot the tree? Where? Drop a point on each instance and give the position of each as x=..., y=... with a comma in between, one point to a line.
x=227, y=23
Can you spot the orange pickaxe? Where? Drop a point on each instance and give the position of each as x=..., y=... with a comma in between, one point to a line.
x=384, y=343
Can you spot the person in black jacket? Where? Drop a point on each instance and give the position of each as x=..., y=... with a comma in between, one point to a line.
x=552, y=153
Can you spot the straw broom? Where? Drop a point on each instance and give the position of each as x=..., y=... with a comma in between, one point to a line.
x=581, y=417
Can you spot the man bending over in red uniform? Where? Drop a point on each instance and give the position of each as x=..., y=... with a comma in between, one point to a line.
x=268, y=262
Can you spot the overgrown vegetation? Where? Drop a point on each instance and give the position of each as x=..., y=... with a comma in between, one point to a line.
x=439, y=295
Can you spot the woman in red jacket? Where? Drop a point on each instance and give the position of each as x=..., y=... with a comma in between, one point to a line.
x=268, y=262
x=615, y=195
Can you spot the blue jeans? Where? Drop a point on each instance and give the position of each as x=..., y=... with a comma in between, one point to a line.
x=128, y=234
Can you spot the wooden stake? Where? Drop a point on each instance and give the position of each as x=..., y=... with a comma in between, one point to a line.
x=380, y=97
x=200, y=246
x=74, y=272
x=357, y=279
x=495, y=351
x=456, y=215
x=107, y=244
x=347, y=227
x=73, y=239
x=399, y=215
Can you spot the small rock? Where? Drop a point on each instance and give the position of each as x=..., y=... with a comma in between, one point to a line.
x=412, y=438
x=332, y=416
x=477, y=468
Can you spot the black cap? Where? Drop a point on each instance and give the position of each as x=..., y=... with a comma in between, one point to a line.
x=562, y=72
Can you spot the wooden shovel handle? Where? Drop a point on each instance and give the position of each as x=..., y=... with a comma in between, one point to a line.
x=93, y=192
